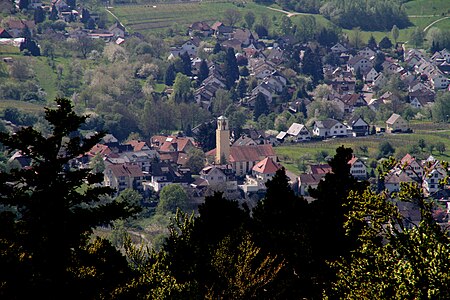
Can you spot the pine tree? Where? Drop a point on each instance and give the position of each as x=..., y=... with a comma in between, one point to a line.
x=45, y=235
x=39, y=15
x=372, y=43
x=242, y=88
x=23, y=4
x=230, y=68
x=217, y=48
x=187, y=64
x=53, y=13
x=169, y=77
x=203, y=71
x=261, y=107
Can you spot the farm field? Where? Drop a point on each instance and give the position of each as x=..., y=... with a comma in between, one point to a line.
x=144, y=18
x=290, y=155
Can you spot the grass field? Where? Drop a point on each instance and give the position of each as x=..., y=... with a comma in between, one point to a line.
x=20, y=105
x=427, y=7
x=429, y=132
x=145, y=18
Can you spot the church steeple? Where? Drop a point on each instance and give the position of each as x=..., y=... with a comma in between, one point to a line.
x=222, y=141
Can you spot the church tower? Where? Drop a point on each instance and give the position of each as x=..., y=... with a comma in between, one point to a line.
x=222, y=140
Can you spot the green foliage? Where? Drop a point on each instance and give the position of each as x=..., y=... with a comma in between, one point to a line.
x=45, y=233
x=261, y=107
x=393, y=261
x=171, y=198
x=385, y=149
x=441, y=108
x=196, y=160
x=385, y=43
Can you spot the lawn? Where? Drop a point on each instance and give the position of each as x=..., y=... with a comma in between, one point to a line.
x=144, y=18
x=427, y=7
x=20, y=105
x=290, y=154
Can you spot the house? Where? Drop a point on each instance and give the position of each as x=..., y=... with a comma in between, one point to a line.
x=393, y=179
x=412, y=167
x=370, y=76
x=338, y=48
x=320, y=169
x=265, y=169
x=265, y=89
x=245, y=37
x=299, y=132
x=438, y=80
x=163, y=173
x=351, y=101
x=358, y=168
x=244, y=141
x=276, y=55
x=243, y=158
x=4, y=34
x=307, y=181
x=190, y=46
x=359, y=126
x=221, y=31
x=118, y=30
x=329, y=128
x=360, y=63
x=124, y=176
x=16, y=27
x=200, y=28
x=432, y=181
x=216, y=176
x=367, y=53
x=396, y=124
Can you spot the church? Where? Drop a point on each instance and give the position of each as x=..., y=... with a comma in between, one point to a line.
x=241, y=158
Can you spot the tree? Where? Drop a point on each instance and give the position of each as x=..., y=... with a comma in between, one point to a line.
x=220, y=102
x=85, y=15
x=392, y=260
x=23, y=4
x=385, y=149
x=356, y=38
x=261, y=107
x=45, y=237
x=249, y=18
x=39, y=15
x=395, y=33
x=286, y=25
x=97, y=164
x=205, y=136
x=230, y=68
x=441, y=108
x=53, y=13
x=242, y=88
x=72, y=3
x=187, y=65
x=440, y=147
x=312, y=65
x=181, y=88
x=196, y=160
x=372, y=43
x=422, y=144
x=232, y=16
x=385, y=43
x=170, y=74
x=172, y=197
x=217, y=48
x=417, y=37
x=203, y=71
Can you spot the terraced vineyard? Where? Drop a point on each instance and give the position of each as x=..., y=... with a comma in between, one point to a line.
x=144, y=18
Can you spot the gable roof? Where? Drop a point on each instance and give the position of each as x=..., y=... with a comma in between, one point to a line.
x=295, y=129
x=310, y=179
x=266, y=166
x=128, y=170
x=320, y=169
x=327, y=123
x=393, y=118
x=137, y=145
x=251, y=153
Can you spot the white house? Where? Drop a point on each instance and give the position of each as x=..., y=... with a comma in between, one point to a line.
x=367, y=52
x=360, y=63
x=358, y=168
x=299, y=132
x=329, y=128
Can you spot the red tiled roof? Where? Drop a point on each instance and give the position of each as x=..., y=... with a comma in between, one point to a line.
x=99, y=148
x=137, y=145
x=320, y=169
x=126, y=170
x=310, y=179
x=266, y=166
x=251, y=153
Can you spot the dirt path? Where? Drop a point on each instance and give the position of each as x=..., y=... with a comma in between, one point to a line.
x=426, y=28
x=288, y=13
x=114, y=16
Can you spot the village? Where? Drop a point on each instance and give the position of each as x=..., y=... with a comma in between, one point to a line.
x=353, y=81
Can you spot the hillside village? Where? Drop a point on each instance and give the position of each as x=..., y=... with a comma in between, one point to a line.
x=264, y=76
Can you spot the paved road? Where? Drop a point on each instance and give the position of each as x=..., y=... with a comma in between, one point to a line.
x=114, y=16
x=426, y=28
x=288, y=13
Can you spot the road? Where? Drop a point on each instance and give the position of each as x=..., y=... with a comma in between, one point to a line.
x=288, y=13
x=426, y=28
x=114, y=16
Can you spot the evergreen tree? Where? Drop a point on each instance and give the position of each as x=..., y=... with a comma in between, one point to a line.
x=217, y=48
x=85, y=15
x=312, y=65
x=242, y=88
x=261, y=107
x=385, y=43
x=39, y=15
x=230, y=68
x=45, y=234
x=187, y=64
x=53, y=13
x=72, y=3
x=170, y=75
x=23, y=4
x=90, y=24
x=395, y=33
x=372, y=43
x=205, y=136
x=203, y=71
